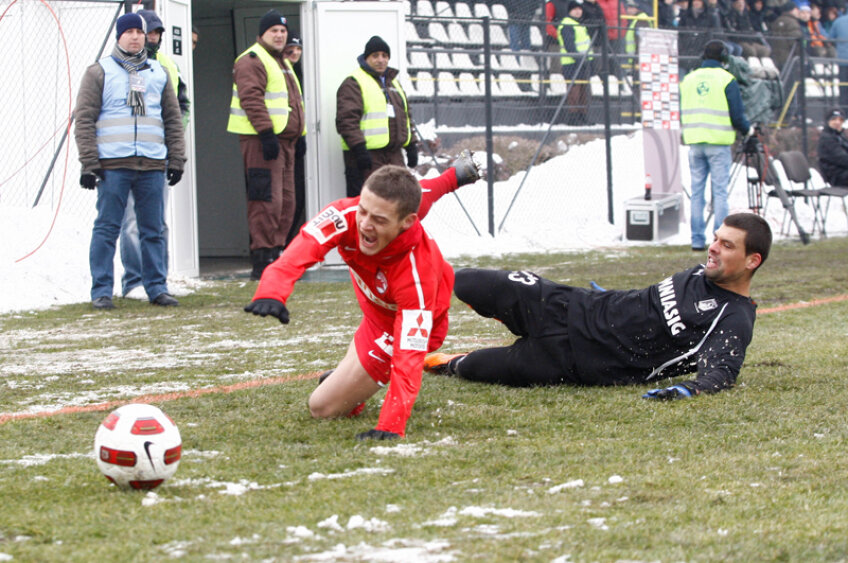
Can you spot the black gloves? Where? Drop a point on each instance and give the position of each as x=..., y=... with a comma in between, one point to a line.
x=174, y=176
x=300, y=147
x=363, y=157
x=467, y=169
x=270, y=145
x=265, y=307
x=88, y=180
x=377, y=435
x=669, y=393
x=412, y=155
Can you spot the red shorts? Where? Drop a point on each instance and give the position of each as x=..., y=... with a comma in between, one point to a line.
x=374, y=349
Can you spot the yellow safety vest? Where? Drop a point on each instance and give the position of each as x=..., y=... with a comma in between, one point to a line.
x=171, y=68
x=705, y=113
x=630, y=36
x=374, y=122
x=276, y=97
x=582, y=39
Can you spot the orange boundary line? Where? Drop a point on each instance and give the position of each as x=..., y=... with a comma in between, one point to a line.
x=803, y=304
x=4, y=418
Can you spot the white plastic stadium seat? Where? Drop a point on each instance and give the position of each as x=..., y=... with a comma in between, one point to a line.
x=507, y=85
x=499, y=12
x=419, y=59
x=424, y=84
x=407, y=86
x=498, y=36
x=536, y=39
x=443, y=61
x=509, y=62
x=462, y=10
x=482, y=10
x=443, y=9
x=424, y=8
x=557, y=85
x=456, y=34
x=468, y=84
x=481, y=78
x=447, y=85
x=437, y=32
x=528, y=62
x=463, y=61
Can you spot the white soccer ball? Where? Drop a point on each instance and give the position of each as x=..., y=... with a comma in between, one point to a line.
x=138, y=447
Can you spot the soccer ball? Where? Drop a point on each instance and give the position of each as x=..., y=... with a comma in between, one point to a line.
x=138, y=447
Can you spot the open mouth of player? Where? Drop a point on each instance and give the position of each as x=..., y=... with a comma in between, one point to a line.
x=711, y=262
x=366, y=241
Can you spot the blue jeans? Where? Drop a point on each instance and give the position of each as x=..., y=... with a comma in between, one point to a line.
x=131, y=245
x=713, y=161
x=147, y=188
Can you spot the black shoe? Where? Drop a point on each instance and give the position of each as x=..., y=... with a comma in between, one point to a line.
x=165, y=300
x=103, y=303
x=260, y=259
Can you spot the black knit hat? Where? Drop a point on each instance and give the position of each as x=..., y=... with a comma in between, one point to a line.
x=835, y=112
x=294, y=40
x=129, y=21
x=573, y=4
x=272, y=18
x=376, y=44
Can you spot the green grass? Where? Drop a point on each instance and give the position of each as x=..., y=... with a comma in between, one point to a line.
x=756, y=473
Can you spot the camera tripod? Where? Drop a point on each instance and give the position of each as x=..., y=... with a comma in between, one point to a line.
x=753, y=158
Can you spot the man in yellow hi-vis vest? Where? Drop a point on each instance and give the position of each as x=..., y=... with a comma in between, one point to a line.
x=711, y=108
x=373, y=117
x=266, y=111
x=574, y=45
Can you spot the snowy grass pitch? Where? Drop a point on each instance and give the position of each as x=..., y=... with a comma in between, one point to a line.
x=486, y=473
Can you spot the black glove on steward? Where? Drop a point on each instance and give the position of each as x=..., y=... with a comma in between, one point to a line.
x=270, y=145
x=412, y=155
x=265, y=307
x=174, y=176
x=88, y=180
x=300, y=147
x=363, y=158
x=375, y=434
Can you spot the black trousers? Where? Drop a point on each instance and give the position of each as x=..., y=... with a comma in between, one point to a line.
x=532, y=308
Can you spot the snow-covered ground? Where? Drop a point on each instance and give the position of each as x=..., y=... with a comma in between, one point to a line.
x=561, y=206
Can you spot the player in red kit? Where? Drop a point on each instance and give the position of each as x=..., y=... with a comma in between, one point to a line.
x=402, y=283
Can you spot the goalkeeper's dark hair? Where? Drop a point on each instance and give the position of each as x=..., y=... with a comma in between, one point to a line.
x=396, y=183
x=757, y=233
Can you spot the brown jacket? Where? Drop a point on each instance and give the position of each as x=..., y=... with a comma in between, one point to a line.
x=349, y=109
x=251, y=80
x=87, y=110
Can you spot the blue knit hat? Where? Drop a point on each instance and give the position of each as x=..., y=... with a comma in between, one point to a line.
x=129, y=21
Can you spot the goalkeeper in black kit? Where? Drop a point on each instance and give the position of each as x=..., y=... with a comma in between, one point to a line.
x=700, y=320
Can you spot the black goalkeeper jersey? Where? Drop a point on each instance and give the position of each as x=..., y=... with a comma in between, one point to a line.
x=683, y=324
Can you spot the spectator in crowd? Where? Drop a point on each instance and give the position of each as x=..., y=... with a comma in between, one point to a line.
x=738, y=22
x=266, y=112
x=575, y=336
x=575, y=45
x=819, y=46
x=711, y=108
x=756, y=16
x=832, y=149
x=697, y=22
x=129, y=241
x=373, y=117
x=129, y=138
x=195, y=36
x=293, y=52
x=775, y=8
x=839, y=34
x=520, y=13
x=786, y=30
x=402, y=283
x=829, y=14
x=640, y=20
x=667, y=14
x=555, y=10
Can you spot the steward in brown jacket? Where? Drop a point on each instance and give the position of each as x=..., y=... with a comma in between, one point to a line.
x=266, y=112
x=373, y=117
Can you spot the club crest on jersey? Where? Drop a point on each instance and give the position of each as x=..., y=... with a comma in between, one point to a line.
x=415, y=329
x=326, y=225
x=381, y=284
x=706, y=305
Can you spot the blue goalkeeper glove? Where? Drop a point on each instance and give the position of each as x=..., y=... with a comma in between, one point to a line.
x=669, y=393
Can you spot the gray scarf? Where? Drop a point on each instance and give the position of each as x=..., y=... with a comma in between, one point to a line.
x=132, y=64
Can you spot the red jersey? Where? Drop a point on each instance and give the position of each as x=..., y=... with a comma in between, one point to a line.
x=405, y=289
